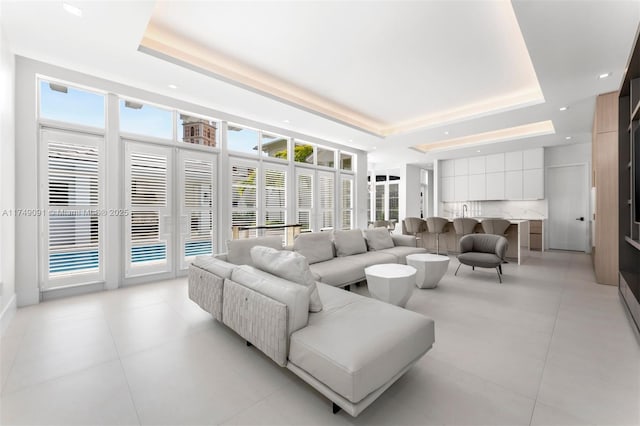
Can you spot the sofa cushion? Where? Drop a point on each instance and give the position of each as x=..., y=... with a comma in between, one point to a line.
x=289, y=265
x=401, y=252
x=378, y=238
x=349, y=242
x=295, y=296
x=239, y=251
x=216, y=266
x=315, y=246
x=380, y=341
x=371, y=258
x=338, y=271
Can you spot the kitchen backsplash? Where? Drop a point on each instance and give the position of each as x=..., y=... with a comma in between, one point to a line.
x=535, y=209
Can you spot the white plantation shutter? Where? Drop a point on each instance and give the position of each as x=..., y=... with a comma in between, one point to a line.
x=74, y=199
x=147, y=188
x=304, y=198
x=326, y=188
x=346, y=188
x=274, y=192
x=244, y=201
x=198, y=191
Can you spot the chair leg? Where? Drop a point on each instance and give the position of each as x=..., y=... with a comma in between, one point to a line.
x=499, y=276
x=500, y=269
x=336, y=408
x=473, y=268
x=456, y=273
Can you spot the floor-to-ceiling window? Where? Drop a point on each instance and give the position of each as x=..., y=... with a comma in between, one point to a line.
x=72, y=122
x=169, y=172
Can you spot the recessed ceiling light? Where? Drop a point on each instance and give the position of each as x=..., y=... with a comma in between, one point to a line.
x=605, y=75
x=374, y=148
x=350, y=140
x=568, y=137
x=72, y=9
x=478, y=151
x=286, y=121
x=446, y=132
x=564, y=108
x=173, y=86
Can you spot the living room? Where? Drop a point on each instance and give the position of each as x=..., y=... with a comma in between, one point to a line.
x=317, y=118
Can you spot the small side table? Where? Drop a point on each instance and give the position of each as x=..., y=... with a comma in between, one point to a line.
x=430, y=268
x=391, y=282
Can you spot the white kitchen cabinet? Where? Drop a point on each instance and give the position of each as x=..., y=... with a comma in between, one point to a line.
x=494, y=163
x=533, y=159
x=513, y=185
x=533, y=184
x=447, y=188
x=461, y=167
x=495, y=186
x=461, y=188
x=477, y=187
x=447, y=168
x=513, y=161
x=477, y=166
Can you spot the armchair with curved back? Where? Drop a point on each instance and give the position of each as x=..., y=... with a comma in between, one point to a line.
x=483, y=251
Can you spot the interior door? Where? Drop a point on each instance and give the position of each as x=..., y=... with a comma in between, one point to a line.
x=568, y=207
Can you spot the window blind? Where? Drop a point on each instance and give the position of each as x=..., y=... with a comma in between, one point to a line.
x=326, y=188
x=74, y=197
x=304, y=199
x=347, y=202
x=244, y=201
x=199, y=199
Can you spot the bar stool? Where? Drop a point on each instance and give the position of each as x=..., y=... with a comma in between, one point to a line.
x=414, y=226
x=436, y=226
x=495, y=226
x=464, y=226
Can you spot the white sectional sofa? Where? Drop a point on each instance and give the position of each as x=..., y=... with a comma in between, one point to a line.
x=351, y=350
x=339, y=258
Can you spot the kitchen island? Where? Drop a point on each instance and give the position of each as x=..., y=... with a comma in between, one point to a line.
x=517, y=235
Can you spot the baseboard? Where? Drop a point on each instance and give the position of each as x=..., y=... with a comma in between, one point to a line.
x=7, y=314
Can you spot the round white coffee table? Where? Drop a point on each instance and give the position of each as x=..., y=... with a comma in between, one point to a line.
x=430, y=268
x=391, y=283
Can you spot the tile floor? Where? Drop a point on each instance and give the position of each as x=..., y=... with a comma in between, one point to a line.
x=547, y=347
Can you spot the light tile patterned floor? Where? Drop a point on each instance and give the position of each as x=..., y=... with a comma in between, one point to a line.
x=547, y=347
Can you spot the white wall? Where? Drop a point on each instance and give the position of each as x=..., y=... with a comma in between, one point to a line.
x=409, y=194
x=27, y=154
x=7, y=181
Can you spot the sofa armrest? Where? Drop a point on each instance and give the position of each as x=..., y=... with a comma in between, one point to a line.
x=404, y=240
x=222, y=256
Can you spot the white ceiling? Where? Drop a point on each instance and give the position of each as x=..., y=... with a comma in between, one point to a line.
x=389, y=62
x=385, y=63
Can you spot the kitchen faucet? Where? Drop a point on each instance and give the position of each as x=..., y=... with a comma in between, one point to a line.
x=464, y=208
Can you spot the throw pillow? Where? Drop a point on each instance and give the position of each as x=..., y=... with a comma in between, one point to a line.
x=349, y=242
x=290, y=266
x=315, y=246
x=239, y=251
x=378, y=238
